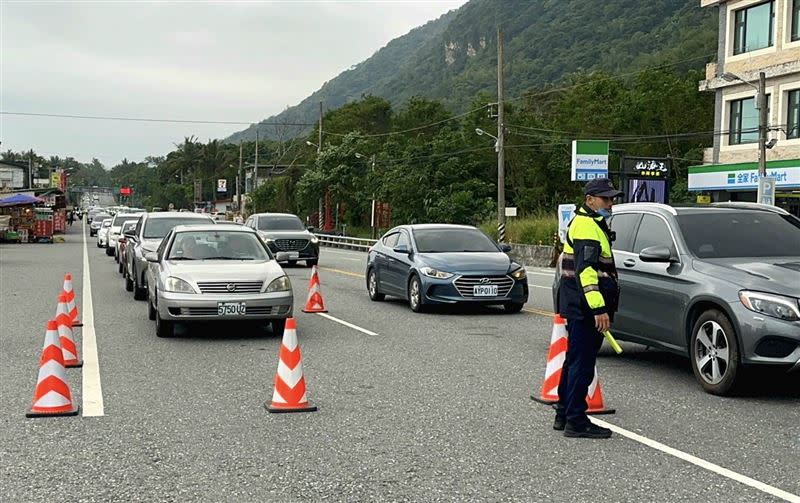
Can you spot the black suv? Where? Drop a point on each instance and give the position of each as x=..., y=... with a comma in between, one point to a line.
x=286, y=236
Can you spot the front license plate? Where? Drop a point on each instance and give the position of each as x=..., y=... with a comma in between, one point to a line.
x=484, y=290
x=294, y=255
x=231, y=308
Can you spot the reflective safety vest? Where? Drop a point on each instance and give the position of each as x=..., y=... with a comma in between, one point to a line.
x=588, y=284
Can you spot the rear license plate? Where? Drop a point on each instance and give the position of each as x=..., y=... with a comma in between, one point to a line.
x=231, y=308
x=484, y=290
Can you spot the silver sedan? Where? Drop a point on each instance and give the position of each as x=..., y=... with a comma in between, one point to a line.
x=216, y=272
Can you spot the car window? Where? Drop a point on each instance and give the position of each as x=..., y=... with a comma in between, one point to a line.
x=624, y=225
x=391, y=239
x=127, y=226
x=653, y=231
x=138, y=226
x=163, y=245
x=403, y=240
x=734, y=233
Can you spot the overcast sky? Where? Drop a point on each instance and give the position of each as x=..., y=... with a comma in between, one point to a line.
x=219, y=61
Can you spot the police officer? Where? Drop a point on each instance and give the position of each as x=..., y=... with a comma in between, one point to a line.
x=588, y=296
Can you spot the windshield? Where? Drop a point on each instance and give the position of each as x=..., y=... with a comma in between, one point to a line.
x=283, y=223
x=159, y=227
x=725, y=234
x=453, y=240
x=216, y=245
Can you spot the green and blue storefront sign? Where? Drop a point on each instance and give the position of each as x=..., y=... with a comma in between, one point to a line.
x=743, y=176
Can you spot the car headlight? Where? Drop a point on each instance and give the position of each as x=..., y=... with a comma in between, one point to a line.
x=520, y=273
x=177, y=285
x=314, y=240
x=435, y=273
x=776, y=306
x=281, y=284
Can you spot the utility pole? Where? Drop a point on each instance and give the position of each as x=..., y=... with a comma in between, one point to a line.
x=762, y=124
x=501, y=175
x=319, y=150
x=239, y=180
x=373, y=219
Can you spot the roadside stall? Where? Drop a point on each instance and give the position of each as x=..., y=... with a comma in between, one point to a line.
x=45, y=225
x=21, y=219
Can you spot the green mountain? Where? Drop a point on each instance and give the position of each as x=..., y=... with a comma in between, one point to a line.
x=454, y=57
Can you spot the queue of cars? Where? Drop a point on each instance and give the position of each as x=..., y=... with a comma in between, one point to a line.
x=192, y=268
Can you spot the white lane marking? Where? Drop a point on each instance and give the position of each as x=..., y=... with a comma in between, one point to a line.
x=542, y=287
x=349, y=256
x=743, y=479
x=354, y=327
x=92, y=390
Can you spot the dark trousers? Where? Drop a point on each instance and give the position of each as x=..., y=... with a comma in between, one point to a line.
x=578, y=371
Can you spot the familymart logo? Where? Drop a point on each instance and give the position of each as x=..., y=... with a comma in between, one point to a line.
x=731, y=178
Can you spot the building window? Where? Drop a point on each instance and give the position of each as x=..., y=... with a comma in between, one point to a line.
x=793, y=120
x=753, y=28
x=743, y=126
x=795, y=20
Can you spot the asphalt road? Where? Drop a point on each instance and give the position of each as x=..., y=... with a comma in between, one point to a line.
x=433, y=407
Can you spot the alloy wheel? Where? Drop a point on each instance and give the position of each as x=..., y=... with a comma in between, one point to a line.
x=711, y=352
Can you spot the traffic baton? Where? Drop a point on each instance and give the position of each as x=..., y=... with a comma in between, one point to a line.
x=612, y=342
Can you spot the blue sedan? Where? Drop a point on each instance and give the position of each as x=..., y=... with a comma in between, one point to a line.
x=431, y=264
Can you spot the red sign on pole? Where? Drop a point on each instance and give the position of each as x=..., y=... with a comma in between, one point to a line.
x=125, y=191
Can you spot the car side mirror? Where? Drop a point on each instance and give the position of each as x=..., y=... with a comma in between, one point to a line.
x=505, y=248
x=656, y=254
x=402, y=249
x=151, y=256
x=311, y=228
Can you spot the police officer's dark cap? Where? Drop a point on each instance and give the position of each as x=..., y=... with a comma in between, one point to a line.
x=601, y=187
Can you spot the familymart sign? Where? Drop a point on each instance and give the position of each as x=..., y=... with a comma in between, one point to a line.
x=743, y=176
x=589, y=160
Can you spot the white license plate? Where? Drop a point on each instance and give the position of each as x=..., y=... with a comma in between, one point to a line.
x=294, y=255
x=231, y=308
x=484, y=290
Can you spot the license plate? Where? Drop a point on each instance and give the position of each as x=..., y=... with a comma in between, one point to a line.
x=484, y=290
x=294, y=255
x=231, y=308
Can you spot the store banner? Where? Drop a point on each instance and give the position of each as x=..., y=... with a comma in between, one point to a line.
x=743, y=176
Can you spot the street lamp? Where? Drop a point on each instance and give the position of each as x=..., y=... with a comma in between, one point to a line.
x=372, y=221
x=761, y=106
x=481, y=132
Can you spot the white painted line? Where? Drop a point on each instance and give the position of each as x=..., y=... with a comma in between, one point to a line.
x=354, y=327
x=92, y=391
x=542, y=287
x=743, y=479
x=363, y=257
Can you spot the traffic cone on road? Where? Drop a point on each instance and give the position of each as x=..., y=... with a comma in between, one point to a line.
x=289, y=393
x=559, y=342
x=64, y=323
x=555, y=360
x=52, y=396
x=314, y=303
x=72, y=309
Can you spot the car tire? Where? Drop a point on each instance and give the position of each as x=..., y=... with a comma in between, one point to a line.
x=312, y=263
x=151, y=311
x=164, y=328
x=513, y=307
x=99, y=245
x=109, y=251
x=714, y=353
x=291, y=263
x=372, y=286
x=128, y=283
x=120, y=269
x=278, y=326
x=139, y=293
x=415, y=295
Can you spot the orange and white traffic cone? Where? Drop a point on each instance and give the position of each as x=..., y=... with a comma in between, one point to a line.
x=289, y=394
x=555, y=360
x=594, y=398
x=64, y=323
x=72, y=309
x=314, y=303
x=559, y=343
x=52, y=396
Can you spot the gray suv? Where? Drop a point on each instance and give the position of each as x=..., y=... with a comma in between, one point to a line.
x=286, y=237
x=719, y=283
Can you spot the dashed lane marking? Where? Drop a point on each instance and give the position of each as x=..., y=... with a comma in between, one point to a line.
x=342, y=322
x=340, y=271
x=92, y=391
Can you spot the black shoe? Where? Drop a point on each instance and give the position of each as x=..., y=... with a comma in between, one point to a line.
x=588, y=431
x=559, y=424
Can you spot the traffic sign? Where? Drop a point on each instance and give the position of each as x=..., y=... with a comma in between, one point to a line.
x=766, y=190
x=222, y=185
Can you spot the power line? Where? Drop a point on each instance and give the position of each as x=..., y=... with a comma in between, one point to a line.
x=418, y=128
x=145, y=119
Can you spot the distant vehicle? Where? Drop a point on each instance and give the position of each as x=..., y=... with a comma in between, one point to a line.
x=719, y=284
x=102, y=232
x=429, y=264
x=96, y=222
x=146, y=237
x=215, y=272
x=219, y=216
x=94, y=211
x=284, y=232
x=116, y=226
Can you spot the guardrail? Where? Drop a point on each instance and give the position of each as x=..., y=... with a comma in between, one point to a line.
x=347, y=242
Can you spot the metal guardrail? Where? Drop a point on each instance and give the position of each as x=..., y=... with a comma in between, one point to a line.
x=347, y=242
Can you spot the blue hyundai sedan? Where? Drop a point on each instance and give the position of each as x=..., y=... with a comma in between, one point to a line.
x=429, y=264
